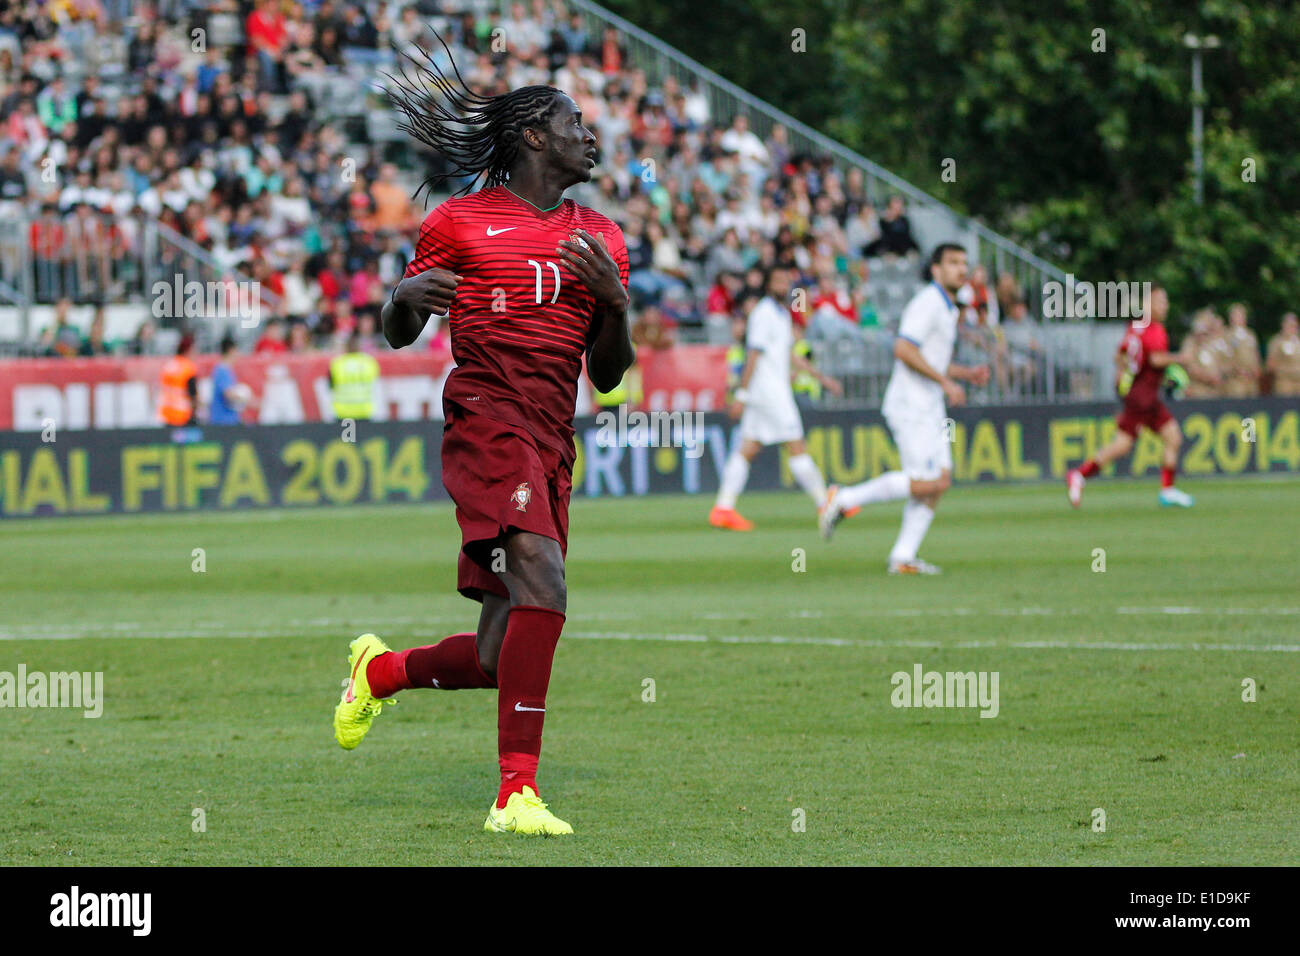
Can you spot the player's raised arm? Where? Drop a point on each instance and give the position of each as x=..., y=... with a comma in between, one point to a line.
x=429, y=283
x=413, y=301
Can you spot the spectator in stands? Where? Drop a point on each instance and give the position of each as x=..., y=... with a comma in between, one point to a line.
x=1284, y=357
x=727, y=255
x=864, y=306
x=832, y=311
x=1024, y=350
x=369, y=340
x=1242, y=371
x=612, y=53
x=299, y=292
x=895, y=232
x=1009, y=292
x=13, y=182
x=392, y=202
x=267, y=40
x=721, y=304
x=25, y=129
x=272, y=340
x=62, y=339
x=652, y=330
x=299, y=338
x=143, y=342
x=862, y=229
x=94, y=344
x=575, y=34
x=979, y=304
x=666, y=257
x=741, y=140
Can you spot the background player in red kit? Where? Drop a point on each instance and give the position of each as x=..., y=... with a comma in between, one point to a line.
x=532, y=281
x=1140, y=367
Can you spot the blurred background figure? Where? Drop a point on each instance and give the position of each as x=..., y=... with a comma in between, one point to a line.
x=229, y=396
x=1204, y=357
x=1241, y=378
x=1284, y=357
x=353, y=376
x=178, y=399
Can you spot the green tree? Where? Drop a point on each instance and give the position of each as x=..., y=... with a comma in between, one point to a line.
x=1072, y=141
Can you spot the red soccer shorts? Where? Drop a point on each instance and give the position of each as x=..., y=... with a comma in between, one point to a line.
x=1131, y=419
x=501, y=479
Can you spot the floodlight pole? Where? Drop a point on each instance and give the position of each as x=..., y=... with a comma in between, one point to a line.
x=1196, y=44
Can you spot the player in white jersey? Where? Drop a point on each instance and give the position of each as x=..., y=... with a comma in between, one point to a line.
x=764, y=402
x=924, y=376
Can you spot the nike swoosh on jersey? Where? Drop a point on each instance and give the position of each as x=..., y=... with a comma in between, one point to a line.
x=520, y=707
x=498, y=232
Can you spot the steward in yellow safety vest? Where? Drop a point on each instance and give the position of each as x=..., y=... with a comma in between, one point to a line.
x=805, y=383
x=352, y=382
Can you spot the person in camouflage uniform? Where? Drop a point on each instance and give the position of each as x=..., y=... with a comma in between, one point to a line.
x=1241, y=376
x=1284, y=357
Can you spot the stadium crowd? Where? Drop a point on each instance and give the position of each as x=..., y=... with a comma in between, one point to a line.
x=117, y=114
x=111, y=122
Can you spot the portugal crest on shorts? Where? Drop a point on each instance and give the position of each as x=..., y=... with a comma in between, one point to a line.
x=521, y=496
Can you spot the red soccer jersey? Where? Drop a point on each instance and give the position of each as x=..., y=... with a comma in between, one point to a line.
x=1137, y=347
x=521, y=319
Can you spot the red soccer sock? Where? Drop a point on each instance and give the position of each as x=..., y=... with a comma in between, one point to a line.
x=523, y=674
x=1089, y=468
x=451, y=664
x=1167, y=477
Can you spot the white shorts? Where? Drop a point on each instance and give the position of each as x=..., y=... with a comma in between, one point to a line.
x=924, y=449
x=771, y=424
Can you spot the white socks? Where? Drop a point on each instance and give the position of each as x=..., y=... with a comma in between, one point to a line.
x=887, y=487
x=734, y=475
x=805, y=472
x=916, y=522
x=736, y=472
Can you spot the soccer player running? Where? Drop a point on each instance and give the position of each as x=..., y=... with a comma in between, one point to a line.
x=532, y=281
x=924, y=376
x=765, y=405
x=1140, y=365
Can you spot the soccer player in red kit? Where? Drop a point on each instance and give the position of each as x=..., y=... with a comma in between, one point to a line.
x=1140, y=367
x=532, y=282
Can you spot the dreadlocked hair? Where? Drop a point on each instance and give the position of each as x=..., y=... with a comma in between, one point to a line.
x=479, y=135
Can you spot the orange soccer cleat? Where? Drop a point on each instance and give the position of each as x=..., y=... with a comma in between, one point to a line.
x=730, y=519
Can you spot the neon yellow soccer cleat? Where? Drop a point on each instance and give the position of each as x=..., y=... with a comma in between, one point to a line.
x=525, y=813
x=358, y=707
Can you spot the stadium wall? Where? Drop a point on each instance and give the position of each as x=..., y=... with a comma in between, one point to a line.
x=122, y=392
x=313, y=465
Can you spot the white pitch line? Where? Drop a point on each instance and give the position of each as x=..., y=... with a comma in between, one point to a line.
x=223, y=628
x=347, y=625
x=772, y=639
x=940, y=645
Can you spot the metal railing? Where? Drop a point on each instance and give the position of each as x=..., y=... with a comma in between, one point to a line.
x=45, y=259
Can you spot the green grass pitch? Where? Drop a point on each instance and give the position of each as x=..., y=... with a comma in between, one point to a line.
x=1120, y=691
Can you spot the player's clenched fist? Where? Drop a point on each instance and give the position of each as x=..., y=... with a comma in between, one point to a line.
x=589, y=258
x=428, y=292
